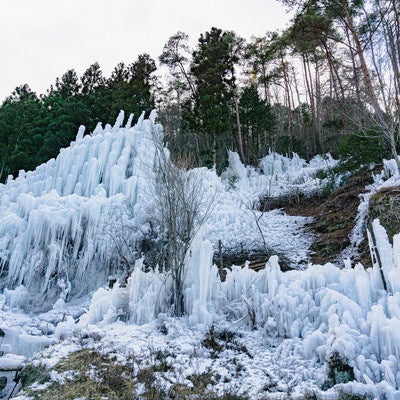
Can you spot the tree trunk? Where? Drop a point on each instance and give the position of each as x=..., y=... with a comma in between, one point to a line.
x=288, y=97
x=337, y=81
x=240, y=140
x=188, y=80
x=318, y=101
x=310, y=91
x=388, y=131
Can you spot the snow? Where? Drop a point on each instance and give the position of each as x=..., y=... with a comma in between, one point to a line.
x=59, y=232
x=11, y=362
x=65, y=221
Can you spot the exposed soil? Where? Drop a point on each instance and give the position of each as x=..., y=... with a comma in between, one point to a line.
x=334, y=217
x=333, y=220
x=385, y=205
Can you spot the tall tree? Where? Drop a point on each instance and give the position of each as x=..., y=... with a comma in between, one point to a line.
x=175, y=56
x=260, y=58
x=92, y=79
x=68, y=85
x=309, y=37
x=131, y=87
x=346, y=12
x=258, y=122
x=18, y=114
x=95, y=96
x=212, y=112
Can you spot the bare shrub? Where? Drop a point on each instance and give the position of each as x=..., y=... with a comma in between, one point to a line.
x=182, y=206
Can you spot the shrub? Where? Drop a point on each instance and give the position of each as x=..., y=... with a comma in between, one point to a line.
x=339, y=371
x=357, y=149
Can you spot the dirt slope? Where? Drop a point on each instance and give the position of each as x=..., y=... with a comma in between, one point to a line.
x=334, y=217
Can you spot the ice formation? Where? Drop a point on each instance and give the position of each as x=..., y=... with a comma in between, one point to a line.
x=64, y=225
x=60, y=227
x=60, y=224
x=277, y=175
x=316, y=312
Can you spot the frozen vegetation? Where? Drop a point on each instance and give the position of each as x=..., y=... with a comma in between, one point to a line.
x=76, y=222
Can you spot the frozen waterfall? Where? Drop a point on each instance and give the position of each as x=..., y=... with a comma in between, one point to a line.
x=63, y=228
x=60, y=224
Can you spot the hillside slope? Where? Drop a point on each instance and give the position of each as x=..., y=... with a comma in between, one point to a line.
x=320, y=331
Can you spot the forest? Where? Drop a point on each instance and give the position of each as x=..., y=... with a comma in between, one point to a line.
x=330, y=82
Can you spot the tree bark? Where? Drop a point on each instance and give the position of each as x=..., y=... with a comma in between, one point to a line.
x=239, y=131
x=388, y=131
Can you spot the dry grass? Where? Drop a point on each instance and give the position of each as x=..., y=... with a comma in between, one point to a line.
x=93, y=376
x=88, y=374
x=385, y=205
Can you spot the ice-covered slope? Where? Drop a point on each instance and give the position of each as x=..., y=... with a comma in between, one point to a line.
x=78, y=219
x=59, y=224
x=236, y=221
x=310, y=315
x=59, y=228
x=302, y=320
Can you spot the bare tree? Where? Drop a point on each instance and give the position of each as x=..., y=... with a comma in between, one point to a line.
x=124, y=239
x=182, y=207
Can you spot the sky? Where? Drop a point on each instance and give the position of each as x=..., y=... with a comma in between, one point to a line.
x=41, y=39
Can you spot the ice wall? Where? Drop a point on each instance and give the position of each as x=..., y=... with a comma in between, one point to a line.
x=60, y=225
x=68, y=225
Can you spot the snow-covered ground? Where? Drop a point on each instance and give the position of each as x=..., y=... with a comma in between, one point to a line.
x=283, y=328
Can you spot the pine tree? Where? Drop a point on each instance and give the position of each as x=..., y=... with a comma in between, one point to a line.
x=211, y=112
x=18, y=138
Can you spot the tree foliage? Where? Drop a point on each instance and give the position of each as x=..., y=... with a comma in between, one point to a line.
x=33, y=129
x=333, y=72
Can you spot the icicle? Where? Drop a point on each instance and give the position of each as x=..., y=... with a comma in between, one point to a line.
x=396, y=250
x=384, y=251
x=129, y=122
x=81, y=132
x=119, y=121
x=153, y=116
x=141, y=118
x=98, y=129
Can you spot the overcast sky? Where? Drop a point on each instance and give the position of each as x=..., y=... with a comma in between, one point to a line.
x=41, y=39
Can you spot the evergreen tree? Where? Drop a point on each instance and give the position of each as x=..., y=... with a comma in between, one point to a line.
x=92, y=79
x=95, y=95
x=68, y=85
x=131, y=87
x=211, y=114
x=63, y=112
x=258, y=122
x=18, y=115
x=142, y=83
